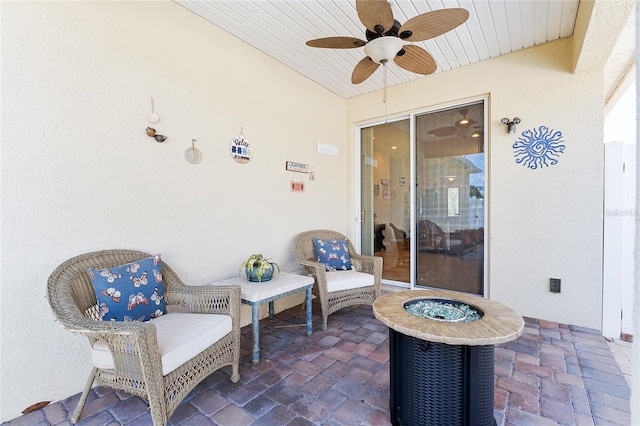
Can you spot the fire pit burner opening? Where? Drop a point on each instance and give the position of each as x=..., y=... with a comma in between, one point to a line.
x=445, y=310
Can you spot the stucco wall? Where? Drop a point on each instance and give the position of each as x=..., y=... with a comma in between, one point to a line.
x=542, y=223
x=79, y=173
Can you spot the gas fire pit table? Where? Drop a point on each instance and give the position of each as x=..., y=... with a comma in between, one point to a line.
x=442, y=355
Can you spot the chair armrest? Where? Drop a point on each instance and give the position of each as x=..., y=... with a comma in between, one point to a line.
x=97, y=329
x=317, y=269
x=368, y=264
x=121, y=336
x=133, y=347
x=223, y=299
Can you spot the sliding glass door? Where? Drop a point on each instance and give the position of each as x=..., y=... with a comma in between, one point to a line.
x=385, y=214
x=450, y=199
x=438, y=240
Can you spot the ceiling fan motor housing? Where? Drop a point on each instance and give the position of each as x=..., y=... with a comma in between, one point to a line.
x=383, y=49
x=393, y=31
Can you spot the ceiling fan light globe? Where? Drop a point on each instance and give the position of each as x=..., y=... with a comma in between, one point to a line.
x=463, y=122
x=383, y=49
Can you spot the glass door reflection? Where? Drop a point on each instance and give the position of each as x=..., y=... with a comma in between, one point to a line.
x=450, y=199
x=386, y=196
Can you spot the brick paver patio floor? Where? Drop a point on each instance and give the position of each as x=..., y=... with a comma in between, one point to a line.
x=554, y=374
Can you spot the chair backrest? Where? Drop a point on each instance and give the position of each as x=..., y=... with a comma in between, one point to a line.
x=398, y=233
x=432, y=230
x=303, y=248
x=71, y=293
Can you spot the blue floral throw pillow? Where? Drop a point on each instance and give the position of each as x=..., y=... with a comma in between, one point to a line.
x=130, y=292
x=333, y=253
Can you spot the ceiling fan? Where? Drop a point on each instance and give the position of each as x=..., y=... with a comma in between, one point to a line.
x=463, y=128
x=388, y=40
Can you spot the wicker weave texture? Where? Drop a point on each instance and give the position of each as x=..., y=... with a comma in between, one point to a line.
x=304, y=252
x=440, y=384
x=133, y=345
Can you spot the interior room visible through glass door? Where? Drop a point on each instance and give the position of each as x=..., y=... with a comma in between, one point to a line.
x=385, y=197
x=450, y=199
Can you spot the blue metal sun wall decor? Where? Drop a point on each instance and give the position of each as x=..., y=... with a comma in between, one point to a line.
x=538, y=147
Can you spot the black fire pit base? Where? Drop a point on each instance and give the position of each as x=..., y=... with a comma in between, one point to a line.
x=438, y=384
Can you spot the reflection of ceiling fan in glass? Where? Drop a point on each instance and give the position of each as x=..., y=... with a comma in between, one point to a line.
x=465, y=127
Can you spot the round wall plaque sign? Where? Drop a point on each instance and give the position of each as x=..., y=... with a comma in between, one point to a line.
x=241, y=150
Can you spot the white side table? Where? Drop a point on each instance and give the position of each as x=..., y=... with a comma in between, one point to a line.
x=255, y=294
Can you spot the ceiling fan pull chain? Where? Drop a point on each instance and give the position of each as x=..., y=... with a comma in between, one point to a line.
x=384, y=82
x=384, y=85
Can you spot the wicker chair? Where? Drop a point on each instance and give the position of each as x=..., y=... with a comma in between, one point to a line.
x=331, y=301
x=137, y=366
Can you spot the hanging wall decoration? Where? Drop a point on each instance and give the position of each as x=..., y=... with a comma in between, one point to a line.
x=152, y=117
x=538, y=147
x=241, y=149
x=292, y=166
x=297, y=185
x=193, y=155
x=297, y=169
x=151, y=132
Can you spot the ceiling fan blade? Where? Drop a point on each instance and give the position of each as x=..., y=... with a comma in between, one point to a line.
x=337, y=42
x=416, y=59
x=363, y=70
x=432, y=24
x=443, y=131
x=376, y=15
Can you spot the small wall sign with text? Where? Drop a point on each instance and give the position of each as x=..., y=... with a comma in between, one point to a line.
x=241, y=149
x=327, y=149
x=292, y=166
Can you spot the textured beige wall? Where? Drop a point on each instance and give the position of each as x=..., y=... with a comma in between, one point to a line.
x=598, y=26
x=79, y=173
x=542, y=223
x=76, y=82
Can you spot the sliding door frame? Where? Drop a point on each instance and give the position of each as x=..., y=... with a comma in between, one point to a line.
x=412, y=181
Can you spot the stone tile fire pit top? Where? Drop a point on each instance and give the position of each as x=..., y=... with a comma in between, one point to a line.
x=499, y=324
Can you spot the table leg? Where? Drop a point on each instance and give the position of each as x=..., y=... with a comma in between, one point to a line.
x=309, y=320
x=271, y=311
x=255, y=324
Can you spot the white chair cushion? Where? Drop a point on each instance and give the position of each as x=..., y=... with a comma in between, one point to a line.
x=347, y=280
x=181, y=336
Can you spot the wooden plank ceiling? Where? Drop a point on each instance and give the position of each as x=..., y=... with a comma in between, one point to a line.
x=280, y=29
